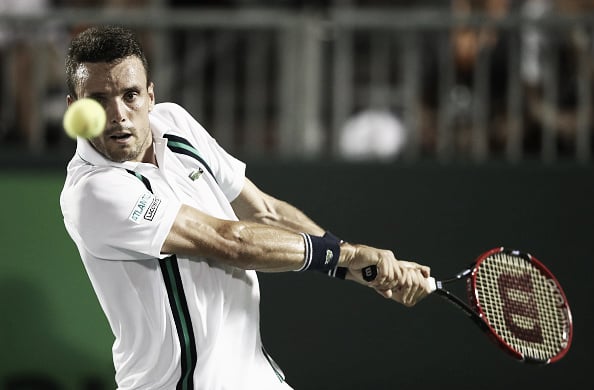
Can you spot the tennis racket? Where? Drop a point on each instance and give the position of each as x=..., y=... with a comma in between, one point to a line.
x=515, y=300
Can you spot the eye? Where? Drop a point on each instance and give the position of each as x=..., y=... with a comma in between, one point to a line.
x=130, y=96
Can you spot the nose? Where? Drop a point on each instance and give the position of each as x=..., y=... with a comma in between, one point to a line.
x=116, y=112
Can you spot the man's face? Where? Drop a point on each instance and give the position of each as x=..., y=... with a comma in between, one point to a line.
x=122, y=90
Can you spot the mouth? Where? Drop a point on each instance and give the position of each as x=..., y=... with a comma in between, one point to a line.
x=121, y=136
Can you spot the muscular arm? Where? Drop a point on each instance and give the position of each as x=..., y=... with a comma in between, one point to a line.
x=243, y=244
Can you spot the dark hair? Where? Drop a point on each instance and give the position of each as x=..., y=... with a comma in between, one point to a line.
x=101, y=44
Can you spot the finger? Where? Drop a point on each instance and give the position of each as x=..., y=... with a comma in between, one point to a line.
x=411, y=290
x=426, y=271
x=385, y=293
x=380, y=279
x=422, y=288
x=416, y=296
x=403, y=287
x=414, y=283
x=392, y=276
x=398, y=296
x=387, y=271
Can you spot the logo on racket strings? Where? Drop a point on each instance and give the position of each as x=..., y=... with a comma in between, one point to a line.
x=520, y=310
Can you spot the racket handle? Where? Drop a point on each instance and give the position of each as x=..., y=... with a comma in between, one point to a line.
x=369, y=273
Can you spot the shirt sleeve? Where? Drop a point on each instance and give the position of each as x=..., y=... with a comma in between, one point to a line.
x=229, y=171
x=119, y=219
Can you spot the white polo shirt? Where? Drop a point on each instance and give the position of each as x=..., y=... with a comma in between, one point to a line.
x=186, y=323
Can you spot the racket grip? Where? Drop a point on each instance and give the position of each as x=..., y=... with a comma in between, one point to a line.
x=369, y=273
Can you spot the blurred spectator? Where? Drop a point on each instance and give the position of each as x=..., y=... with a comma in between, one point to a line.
x=113, y=4
x=552, y=62
x=451, y=100
x=372, y=134
x=19, y=48
x=469, y=46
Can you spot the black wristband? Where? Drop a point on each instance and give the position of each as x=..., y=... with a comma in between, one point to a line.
x=336, y=272
x=321, y=254
x=330, y=236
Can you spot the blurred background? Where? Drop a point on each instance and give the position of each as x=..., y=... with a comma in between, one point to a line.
x=438, y=129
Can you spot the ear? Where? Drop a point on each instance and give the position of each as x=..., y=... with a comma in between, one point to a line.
x=151, y=94
x=69, y=100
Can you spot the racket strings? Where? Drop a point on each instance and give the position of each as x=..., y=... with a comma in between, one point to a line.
x=522, y=306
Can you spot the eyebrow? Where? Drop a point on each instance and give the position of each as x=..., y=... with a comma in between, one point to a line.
x=134, y=88
x=98, y=95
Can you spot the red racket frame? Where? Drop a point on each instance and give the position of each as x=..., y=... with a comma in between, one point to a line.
x=475, y=302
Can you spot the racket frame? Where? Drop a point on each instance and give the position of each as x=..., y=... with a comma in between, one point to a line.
x=476, y=314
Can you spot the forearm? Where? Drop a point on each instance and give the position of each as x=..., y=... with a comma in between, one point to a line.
x=259, y=247
x=242, y=244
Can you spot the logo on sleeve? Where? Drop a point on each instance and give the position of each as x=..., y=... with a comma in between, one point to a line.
x=146, y=207
x=152, y=209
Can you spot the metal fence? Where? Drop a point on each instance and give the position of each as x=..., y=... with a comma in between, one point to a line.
x=342, y=84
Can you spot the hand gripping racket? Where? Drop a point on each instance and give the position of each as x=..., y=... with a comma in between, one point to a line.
x=516, y=301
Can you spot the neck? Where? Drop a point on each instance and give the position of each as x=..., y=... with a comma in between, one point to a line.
x=149, y=155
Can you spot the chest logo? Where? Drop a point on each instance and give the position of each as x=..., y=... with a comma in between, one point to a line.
x=195, y=175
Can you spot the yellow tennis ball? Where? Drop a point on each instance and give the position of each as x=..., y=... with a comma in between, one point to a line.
x=84, y=118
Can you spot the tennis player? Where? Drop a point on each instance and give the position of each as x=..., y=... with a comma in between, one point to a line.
x=171, y=233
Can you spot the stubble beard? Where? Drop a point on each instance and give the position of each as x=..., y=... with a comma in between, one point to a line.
x=129, y=153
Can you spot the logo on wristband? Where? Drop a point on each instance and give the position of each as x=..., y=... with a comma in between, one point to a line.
x=329, y=256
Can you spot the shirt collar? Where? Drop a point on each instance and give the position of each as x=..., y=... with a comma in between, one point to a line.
x=88, y=153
